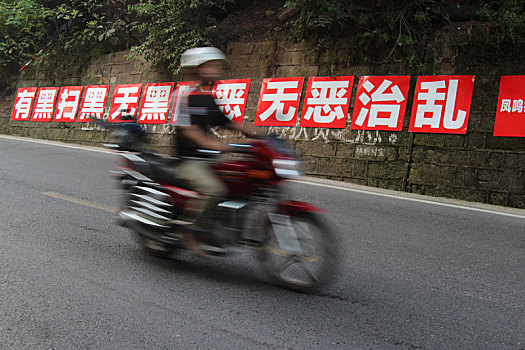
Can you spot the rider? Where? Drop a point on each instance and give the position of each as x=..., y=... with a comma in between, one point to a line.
x=199, y=114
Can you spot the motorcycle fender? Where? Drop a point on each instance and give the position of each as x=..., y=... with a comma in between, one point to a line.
x=298, y=207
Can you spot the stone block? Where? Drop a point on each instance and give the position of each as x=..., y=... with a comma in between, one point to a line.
x=39, y=133
x=497, y=198
x=477, y=158
x=120, y=68
x=309, y=164
x=266, y=47
x=241, y=49
x=360, y=169
x=354, y=70
x=56, y=134
x=506, y=143
x=128, y=79
x=396, y=185
x=150, y=77
x=432, y=174
x=287, y=71
x=85, y=135
x=254, y=73
x=386, y=170
x=99, y=136
x=389, y=69
x=291, y=58
x=515, y=161
x=496, y=160
x=476, y=140
x=466, y=177
x=516, y=200
x=439, y=140
x=403, y=153
x=290, y=45
x=423, y=155
x=486, y=123
x=317, y=148
x=502, y=180
x=344, y=149
x=253, y=61
x=237, y=62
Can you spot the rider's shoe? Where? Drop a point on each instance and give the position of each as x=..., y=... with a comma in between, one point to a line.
x=192, y=244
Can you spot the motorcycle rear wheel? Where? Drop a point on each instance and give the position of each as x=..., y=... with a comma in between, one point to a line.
x=309, y=269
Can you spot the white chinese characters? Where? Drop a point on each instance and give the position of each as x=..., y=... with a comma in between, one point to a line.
x=45, y=103
x=231, y=96
x=511, y=106
x=279, y=102
x=328, y=97
x=156, y=103
x=68, y=101
x=94, y=102
x=125, y=102
x=380, y=103
x=442, y=104
x=23, y=104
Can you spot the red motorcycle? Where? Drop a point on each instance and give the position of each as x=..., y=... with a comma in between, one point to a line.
x=293, y=242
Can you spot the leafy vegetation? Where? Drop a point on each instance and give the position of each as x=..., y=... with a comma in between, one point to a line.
x=77, y=30
x=159, y=31
x=382, y=30
x=172, y=26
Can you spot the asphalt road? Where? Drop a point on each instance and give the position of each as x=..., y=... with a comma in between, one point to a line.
x=416, y=274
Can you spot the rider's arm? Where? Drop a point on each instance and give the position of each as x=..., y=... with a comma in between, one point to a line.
x=246, y=130
x=197, y=136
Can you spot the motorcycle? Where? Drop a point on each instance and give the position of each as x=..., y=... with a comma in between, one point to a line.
x=292, y=240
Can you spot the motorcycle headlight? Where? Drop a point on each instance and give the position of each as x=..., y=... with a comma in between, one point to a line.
x=286, y=168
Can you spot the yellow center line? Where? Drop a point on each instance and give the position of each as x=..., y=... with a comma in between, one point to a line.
x=81, y=201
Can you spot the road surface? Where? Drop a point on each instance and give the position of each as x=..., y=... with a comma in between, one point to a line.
x=417, y=272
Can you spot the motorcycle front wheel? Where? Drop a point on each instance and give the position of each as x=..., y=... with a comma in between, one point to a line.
x=299, y=251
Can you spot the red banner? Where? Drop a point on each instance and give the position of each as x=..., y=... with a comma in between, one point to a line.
x=67, y=105
x=180, y=104
x=23, y=103
x=156, y=102
x=125, y=103
x=231, y=97
x=442, y=104
x=45, y=104
x=279, y=102
x=510, y=115
x=93, y=102
x=381, y=103
x=326, y=102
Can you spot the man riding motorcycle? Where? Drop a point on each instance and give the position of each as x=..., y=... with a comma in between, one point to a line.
x=199, y=114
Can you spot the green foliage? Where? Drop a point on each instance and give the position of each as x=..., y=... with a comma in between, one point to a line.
x=24, y=25
x=410, y=30
x=77, y=29
x=506, y=36
x=172, y=26
x=326, y=15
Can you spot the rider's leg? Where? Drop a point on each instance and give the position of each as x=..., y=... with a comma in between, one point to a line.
x=202, y=179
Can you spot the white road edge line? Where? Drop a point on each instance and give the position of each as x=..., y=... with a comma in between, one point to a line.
x=426, y=201
x=58, y=143
x=311, y=182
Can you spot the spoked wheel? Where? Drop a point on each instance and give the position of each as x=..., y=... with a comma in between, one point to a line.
x=299, y=252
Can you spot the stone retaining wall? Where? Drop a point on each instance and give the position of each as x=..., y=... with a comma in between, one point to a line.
x=475, y=166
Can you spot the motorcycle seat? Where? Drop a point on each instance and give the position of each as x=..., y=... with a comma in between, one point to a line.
x=164, y=169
